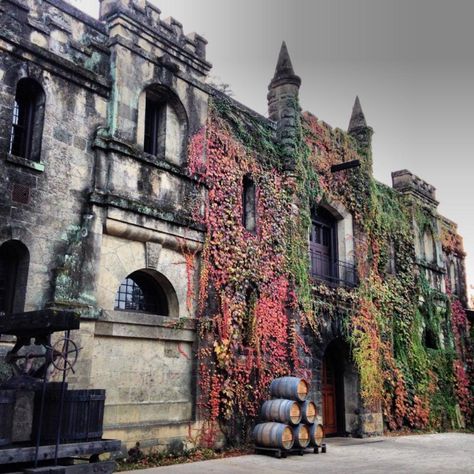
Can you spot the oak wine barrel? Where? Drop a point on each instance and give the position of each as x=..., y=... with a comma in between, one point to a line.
x=273, y=435
x=283, y=411
x=316, y=435
x=309, y=412
x=301, y=435
x=292, y=388
x=7, y=407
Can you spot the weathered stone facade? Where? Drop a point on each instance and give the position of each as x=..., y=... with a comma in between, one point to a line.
x=96, y=208
x=94, y=202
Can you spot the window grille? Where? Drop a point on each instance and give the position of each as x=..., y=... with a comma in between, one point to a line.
x=140, y=292
x=27, y=121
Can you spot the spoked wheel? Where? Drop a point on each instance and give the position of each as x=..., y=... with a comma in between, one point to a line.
x=65, y=354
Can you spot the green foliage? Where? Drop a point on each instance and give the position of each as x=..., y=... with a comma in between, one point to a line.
x=248, y=337
x=392, y=310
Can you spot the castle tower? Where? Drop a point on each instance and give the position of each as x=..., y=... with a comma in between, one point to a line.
x=283, y=107
x=359, y=129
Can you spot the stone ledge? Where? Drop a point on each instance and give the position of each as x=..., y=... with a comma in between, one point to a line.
x=18, y=160
x=147, y=319
x=112, y=144
x=130, y=231
x=139, y=207
x=145, y=326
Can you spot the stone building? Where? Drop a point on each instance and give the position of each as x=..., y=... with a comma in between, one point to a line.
x=104, y=209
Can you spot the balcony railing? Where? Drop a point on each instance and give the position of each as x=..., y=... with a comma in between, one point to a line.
x=334, y=272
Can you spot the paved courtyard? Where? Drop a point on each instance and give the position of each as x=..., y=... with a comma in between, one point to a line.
x=434, y=453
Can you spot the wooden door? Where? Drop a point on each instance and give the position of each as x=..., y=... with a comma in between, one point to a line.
x=329, y=397
x=320, y=245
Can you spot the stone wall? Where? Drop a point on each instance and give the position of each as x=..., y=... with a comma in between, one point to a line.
x=95, y=208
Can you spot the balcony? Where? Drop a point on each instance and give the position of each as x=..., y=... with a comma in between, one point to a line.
x=333, y=272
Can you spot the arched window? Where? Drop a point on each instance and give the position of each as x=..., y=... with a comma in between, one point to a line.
x=27, y=124
x=14, y=262
x=249, y=208
x=429, y=246
x=162, y=124
x=141, y=292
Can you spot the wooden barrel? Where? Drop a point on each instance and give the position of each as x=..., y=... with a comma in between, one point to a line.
x=284, y=411
x=273, y=435
x=309, y=412
x=316, y=435
x=7, y=407
x=292, y=388
x=82, y=419
x=301, y=435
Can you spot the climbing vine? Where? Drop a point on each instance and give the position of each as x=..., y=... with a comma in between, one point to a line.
x=392, y=310
x=249, y=313
x=257, y=299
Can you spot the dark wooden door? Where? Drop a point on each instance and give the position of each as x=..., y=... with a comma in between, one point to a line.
x=329, y=397
x=321, y=249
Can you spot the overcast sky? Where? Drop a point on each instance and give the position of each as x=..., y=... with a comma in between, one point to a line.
x=410, y=61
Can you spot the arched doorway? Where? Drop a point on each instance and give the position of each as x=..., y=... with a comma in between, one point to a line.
x=339, y=387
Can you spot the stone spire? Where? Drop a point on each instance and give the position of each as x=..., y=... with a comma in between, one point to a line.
x=359, y=129
x=283, y=107
x=284, y=73
x=357, y=117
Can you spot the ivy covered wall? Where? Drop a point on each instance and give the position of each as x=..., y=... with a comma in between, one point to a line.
x=257, y=299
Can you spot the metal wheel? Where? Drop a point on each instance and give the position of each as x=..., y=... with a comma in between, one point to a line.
x=65, y=354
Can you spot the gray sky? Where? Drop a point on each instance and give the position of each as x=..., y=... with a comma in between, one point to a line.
x=410, y=61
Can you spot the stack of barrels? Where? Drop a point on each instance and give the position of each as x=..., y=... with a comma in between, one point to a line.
x=290, y=419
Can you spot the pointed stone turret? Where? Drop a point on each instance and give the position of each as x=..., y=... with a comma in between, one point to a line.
x=284, y=73
x=283, y=105
x=284, y=85
x=359, y=129
x=357, y=117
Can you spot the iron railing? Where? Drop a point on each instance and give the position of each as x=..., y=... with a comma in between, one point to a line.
x=334, y=272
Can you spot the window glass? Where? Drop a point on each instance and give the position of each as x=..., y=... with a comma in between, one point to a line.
x=140, y=292
x=27, y=120
x=249, y=219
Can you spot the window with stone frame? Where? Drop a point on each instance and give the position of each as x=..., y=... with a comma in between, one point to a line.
x=453, y=277
x=27, y=120
x=429, y=247
x=164, y=125
x=323, y=245
x=14, y=263
x=326, y=246
x=155, y=129
x=142, y=293
x=249, y=204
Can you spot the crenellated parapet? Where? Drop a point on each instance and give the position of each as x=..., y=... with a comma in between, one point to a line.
x=142, y=19
x=407, y=183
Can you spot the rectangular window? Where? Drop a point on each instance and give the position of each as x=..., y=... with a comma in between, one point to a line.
x=249, y=218
x=155, y=126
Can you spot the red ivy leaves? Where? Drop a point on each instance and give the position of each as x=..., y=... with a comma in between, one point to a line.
x=249, y=338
